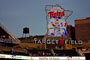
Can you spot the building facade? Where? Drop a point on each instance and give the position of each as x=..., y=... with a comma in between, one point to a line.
x=82, y=29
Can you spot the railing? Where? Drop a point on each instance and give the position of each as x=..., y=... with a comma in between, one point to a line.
x=10, y=48
x=5, y=47
x=6, y=40
x=85, y=52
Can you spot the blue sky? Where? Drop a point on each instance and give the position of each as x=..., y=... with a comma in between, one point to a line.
x=17, y=14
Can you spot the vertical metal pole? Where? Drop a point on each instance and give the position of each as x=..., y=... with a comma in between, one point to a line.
x=47, y=25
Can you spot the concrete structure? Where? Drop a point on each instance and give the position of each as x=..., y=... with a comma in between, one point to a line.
x=82, y=29
x=7, y=40
x=71, y=31
x=7, y=37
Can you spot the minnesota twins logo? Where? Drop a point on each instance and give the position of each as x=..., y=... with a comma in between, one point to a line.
x=56, y=21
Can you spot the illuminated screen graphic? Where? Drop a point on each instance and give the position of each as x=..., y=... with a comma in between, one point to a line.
x=56, y=23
